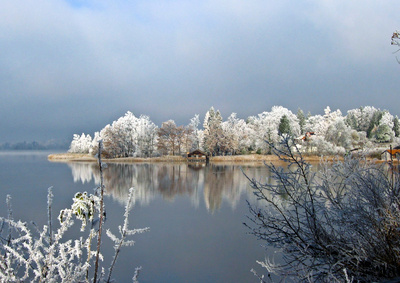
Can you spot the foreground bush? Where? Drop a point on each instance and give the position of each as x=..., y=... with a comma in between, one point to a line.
x=46, y=256
x=341, y=223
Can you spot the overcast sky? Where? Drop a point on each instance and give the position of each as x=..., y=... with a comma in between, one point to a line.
x=73, y=66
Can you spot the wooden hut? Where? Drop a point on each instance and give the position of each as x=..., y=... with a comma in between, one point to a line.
x=391, y=153
x=197, y=155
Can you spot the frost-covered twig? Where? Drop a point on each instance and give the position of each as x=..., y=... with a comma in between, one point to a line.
x=396, y=41
x=124, y=232
x=10, y=217
x=101, y=216
x=136, y=274
x=49, y=204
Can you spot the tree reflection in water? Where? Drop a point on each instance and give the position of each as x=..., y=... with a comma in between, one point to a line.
x=217, y=183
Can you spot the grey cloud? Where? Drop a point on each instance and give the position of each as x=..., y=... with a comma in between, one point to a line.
x=81, y=64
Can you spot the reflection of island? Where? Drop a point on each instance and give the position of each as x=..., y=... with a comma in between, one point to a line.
x=83, y=172
x=218, y=183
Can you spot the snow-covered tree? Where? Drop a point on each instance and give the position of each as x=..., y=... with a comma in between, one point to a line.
x=302, y=120
x=80, y=144
x=231, y=134
x=168, y=138
x=213, y=134
x=146, y=137
x=322, y=125
x=381, y=127
x=237, y=134
x=193, y=128
x=339, y=134
x=359, y=119
x=128, y=136
x=396, y=126
x=94, y=147
x=266, y=126
x=109, y=138
x=374, y=123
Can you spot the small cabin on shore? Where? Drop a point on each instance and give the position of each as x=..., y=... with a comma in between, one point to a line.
x=197, y=156
x=391, y=153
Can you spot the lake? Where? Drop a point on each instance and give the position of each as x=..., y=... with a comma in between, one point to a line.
x=195, y=213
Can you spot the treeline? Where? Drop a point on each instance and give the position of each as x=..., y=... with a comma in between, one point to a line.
x=331, y=133
x=34, y=145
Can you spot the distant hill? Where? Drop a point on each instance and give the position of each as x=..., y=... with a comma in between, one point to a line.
x=34, y=145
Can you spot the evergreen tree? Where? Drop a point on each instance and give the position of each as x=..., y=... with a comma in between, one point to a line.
x=284, y=125
x=373, y=124
x=396, y=126
x=193, y=127
x=351, y=121
x=302, y=120
x=382, y=133
x=209, y=117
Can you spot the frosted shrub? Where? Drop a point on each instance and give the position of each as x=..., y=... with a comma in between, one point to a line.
x=338, y=224
x=84, y=207
x=43, y=256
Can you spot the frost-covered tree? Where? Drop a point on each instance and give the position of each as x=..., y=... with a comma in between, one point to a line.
x=189, y=139
x=302, y=120
x=128, y=136
x=374, y=123
x=284, y=125
x=396, y=126
x=94, y=147
x=383, y=133
x=194, y=130
x=109, y=138
x=237, y=133
x=146, y=137
x=386, y=126
x=126, y=129
x=173, y=139
x=213, y=133
x=359, y=119
x=339, y=134
x=167, y=138
x=312, y=123
x=322, y=125
x=333, y=135
x=266, y=126
x=231, y=134
x=80, y=143
x=182, y=136
x=119, y=138
x=381, y=127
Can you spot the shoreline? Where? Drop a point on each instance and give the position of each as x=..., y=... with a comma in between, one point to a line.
x=252, y=158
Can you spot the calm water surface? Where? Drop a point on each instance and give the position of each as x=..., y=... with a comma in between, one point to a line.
x=195, y=213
